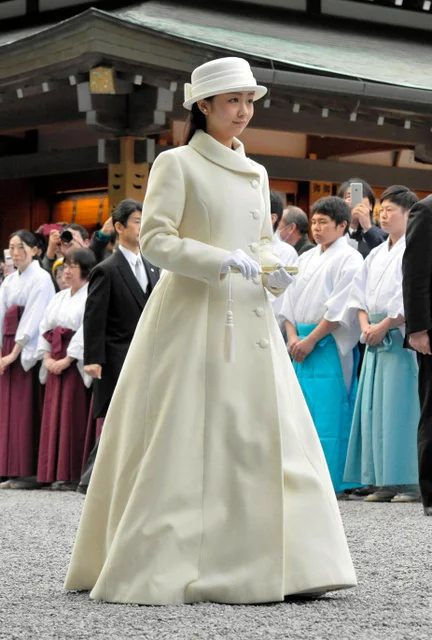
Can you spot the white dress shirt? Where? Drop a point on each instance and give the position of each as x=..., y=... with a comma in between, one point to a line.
x=137, y=266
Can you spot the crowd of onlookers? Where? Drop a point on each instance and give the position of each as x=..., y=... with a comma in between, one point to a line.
x=69, y=304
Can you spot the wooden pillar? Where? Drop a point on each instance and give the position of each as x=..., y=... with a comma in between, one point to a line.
x=127, y=178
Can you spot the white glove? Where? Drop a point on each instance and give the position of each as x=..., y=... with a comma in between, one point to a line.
x=279, y=279
x=240, y=261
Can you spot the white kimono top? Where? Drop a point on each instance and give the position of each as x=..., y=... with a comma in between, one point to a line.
x=67, y=311
x=289, y=258
x=321, y=290
x=33, y=289
x=377, y=285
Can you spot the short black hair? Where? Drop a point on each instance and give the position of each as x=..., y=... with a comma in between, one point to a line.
x=41, y=243
x=85, y=258
x=400, y=195
x=335, y=208
x=295, y=215
x=276, y=207
x=367, y=190
x=124, y=210
x=77, y=227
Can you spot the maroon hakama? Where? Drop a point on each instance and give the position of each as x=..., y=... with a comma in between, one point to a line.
x=19, y=408
x=64, y=418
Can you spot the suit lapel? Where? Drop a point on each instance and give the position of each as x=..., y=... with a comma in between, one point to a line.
x=133, y=284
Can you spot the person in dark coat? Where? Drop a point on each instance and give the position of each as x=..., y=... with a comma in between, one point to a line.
x=363, y=232
x=417, y=294
x=119, y=288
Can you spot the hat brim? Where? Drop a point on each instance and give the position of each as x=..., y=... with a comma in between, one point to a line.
x=259, y=92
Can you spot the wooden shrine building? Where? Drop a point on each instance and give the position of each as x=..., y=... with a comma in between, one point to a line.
x=90, y=95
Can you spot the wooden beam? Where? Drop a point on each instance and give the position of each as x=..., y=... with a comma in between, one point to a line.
x=338, y=127
x=332, y=171
x=49, y=163
x=38, y=111
x=326, y=147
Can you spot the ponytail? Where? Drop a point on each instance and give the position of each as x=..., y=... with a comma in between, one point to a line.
x=196, y=121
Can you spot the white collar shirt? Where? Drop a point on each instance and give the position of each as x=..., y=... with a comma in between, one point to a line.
x=137, y=266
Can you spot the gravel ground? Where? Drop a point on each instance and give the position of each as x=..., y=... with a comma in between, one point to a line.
x=391, y=546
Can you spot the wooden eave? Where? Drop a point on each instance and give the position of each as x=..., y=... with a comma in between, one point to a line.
x=94, y=36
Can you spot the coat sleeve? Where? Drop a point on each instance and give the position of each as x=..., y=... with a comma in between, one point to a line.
x=268, y=256
x=374, y=237
x=417, y=269
x=160, y=240
x=95, y=315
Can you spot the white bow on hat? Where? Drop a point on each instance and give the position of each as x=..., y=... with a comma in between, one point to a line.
x=224, y=75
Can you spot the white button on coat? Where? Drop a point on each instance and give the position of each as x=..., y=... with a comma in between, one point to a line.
x=264, y=343
x=255, y=184
x=256, y=214
x=259, y=311
x=254, y=247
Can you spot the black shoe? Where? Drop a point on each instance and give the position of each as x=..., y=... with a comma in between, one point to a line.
x=362, y=492
x=428, y=511
x=82, y=488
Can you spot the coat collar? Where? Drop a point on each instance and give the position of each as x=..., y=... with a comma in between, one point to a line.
x=232, y=159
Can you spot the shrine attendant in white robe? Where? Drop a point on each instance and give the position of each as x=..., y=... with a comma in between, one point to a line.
x=24, y=296
x=322, y=333
x=210, y=483
x=67, y=397
x=383, y=444
x=287, y=254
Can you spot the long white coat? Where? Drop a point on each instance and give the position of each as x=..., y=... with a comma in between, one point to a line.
x=210, y=482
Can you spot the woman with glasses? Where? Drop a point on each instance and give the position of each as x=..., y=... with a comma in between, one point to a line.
x=67, y=398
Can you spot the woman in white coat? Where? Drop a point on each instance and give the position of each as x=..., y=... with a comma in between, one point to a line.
x=210, y=482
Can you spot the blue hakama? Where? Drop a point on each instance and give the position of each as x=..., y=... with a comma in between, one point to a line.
x=383, y=444
x=321, y=378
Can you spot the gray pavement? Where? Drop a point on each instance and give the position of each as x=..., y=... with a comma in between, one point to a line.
x=391, y=546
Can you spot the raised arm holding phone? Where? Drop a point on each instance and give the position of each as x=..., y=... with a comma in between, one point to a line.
x=363, y=233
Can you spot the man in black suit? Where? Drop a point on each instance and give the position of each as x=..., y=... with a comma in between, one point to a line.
x=119, y=288
x=417, y=293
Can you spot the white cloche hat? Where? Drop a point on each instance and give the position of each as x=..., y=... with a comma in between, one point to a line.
x=224, y=75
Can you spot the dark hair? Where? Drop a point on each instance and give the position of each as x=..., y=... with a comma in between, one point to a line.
x=335, y=208
x=367, y=190
x=400, y=195
x=295, y=215
x=28, y=237
x=77, y=227
x=276, y=207
x=85, y=258
x=41, y=243
x=196, y=120
x=124, y=210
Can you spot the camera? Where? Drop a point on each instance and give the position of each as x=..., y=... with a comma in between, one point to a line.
x=66, y=236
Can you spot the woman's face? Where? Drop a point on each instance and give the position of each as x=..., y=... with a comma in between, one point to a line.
x=228, y=114
x=60, y=279
x=72, y=276
x=21, y=253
